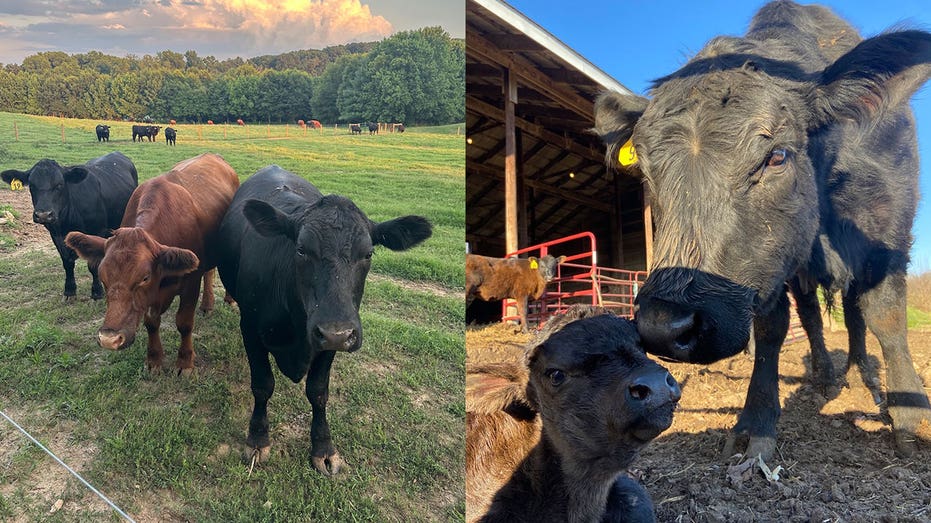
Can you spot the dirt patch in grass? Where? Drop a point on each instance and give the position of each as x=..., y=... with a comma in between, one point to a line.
x=422, y=286
x=27, y=233
x=836, y=452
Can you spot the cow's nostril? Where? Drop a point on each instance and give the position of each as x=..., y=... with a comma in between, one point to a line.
x=640, y=392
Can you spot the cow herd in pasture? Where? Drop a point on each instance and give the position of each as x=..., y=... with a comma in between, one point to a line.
x=146, y=244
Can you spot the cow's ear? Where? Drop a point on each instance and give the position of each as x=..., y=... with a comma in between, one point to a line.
x=615, y=117
x=12, y=174
x=402, y=233
x=88, y=247
x=878, y=73
x=75, y=174
x=268, y=221
x=177, y=261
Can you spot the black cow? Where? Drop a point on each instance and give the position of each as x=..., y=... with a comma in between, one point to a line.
x=296, y=262
x=145, y=131
x=400, y=127
x=170, y=135
x=373, y=128
x=89, y=198
x=355, y=128
x=103, y=133
x=788, y=153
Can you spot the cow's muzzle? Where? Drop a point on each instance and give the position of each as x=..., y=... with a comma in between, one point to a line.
x=338, y=336
x=44, y=217
x=114, y=340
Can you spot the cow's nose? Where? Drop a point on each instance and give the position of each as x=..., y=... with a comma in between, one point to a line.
x=43, y=216
x=655, y=387
x=667, y=328
x=113, y=340
x=338, y=336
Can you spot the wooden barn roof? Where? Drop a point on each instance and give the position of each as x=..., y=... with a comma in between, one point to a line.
x=563, y=185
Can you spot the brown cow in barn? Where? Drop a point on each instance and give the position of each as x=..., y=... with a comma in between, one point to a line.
x=163, y=247
x=519, y=279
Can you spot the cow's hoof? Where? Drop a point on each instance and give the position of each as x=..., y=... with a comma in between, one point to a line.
x=905, y=443
x=328, y=465
x=188, y=373
x=762, y=446
x=205, y=310
x=257, y=455
x=68, y=298
x=96, y=296
x=153, y=368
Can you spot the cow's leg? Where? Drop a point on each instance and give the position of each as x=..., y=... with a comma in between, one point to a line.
x=263, y=386
x=323, y=455
x=154, y=353
x=207, y=299
x=68, y=258
x=761, y=409
x=522, y=305
x=885, y=312
x=184, y=320
x=809, y=311
x=96, y=287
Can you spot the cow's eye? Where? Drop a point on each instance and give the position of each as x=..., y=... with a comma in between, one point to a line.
x=556, y=376
x=777, y=158
x=300, y=252
x=368, y=255
x=144, y=280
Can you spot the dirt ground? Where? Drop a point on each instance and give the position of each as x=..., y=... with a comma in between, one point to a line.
x=835, y=453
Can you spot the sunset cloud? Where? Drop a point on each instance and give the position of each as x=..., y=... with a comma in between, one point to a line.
x=223, y=28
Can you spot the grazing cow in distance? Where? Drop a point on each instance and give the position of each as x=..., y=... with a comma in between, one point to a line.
x=550, y=438
x=152, y=131
x=519, y=279
x=145, y=131
x=88, y=198
x=400, y=128
x=373, y=128
x=240, y=122
x=355, y=128
x=296, y=261
x=796, y=148
x=172, y=122
x=103, y=133
x=165, y=244
x=209, y=122
x=316, y=124
x=170, y=135
x=301, y=124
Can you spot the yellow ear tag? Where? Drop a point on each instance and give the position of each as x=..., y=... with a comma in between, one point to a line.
x=533, y=263
x=627, y=156
x=16, y=184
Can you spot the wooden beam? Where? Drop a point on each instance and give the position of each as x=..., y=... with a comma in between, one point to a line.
x=510, y=163
x=564, y=194
x=481, y=108
x=486, y=51
x=514, y=42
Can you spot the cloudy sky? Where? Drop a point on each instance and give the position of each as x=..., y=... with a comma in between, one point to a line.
x=222, y=28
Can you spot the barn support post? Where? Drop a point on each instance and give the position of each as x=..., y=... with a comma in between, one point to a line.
x=510, y=162
x=523, y=238
x=617, y=224
x=647, y=225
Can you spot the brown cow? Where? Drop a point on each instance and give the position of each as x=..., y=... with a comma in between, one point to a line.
x=549, y=439
x=162, y=249
x=240, y=122
x=492, y=279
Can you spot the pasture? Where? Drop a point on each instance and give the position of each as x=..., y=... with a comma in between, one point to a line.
x=165, y=448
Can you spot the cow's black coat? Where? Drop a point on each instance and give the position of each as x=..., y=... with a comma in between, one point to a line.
x=89, y=198
x=103, y=133
x=788, y=154
x=171, y=135
x=296, y=263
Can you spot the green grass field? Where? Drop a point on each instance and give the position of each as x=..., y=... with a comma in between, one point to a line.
x=165, y=448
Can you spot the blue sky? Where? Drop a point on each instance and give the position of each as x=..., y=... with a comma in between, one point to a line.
x=636, y=41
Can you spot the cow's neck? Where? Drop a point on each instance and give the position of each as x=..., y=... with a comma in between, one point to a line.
x=583, y=487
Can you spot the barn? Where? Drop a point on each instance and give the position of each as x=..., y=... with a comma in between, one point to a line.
x=534, y=171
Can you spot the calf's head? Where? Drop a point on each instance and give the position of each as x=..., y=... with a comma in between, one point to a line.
x=133, y=268
x=600, y=397
x=47, y=181
x=724, y=151
x=547, y=266
x=333, y=246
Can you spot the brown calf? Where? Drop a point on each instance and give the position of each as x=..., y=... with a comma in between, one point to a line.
x=491, y=279
x=162, y=249
x=549, y=439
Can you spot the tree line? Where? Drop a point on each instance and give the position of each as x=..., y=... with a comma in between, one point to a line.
x=415, y=77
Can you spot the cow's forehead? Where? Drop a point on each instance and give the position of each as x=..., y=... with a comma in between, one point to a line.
x=46, y=171
x=335, y=222
x=129, y=250
x=600, y=335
